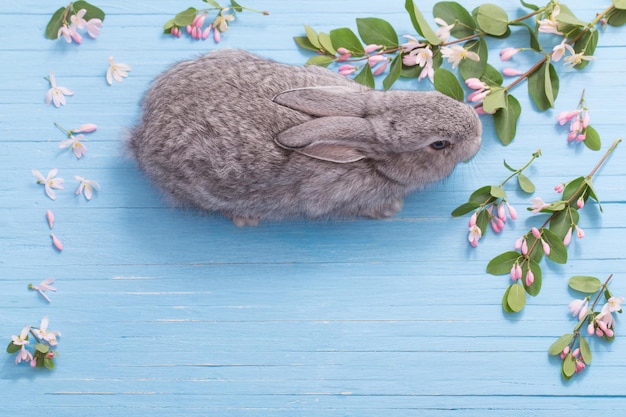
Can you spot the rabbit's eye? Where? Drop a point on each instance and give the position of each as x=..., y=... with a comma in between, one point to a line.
x=440, y=144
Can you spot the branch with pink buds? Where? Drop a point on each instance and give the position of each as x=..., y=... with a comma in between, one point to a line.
x=490, y=204
x=193, y=20
x=550, y=239
x=78, y=15
x=573, y=348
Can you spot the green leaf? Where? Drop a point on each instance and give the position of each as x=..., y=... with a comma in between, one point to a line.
x=558, y=251
x=320, y=60
x=585, y=352
x=167, y=27
x=509, y=167
x=587, y=45
x=482, y=221
x=482, y=195
x=492, y=19
x=474, y=69
x=345, y=38
x=236, y=6
x=516, y=298
x=505, y=300
x=304, y=43
x=464, y=209
x=568, y=18
x=366, y=77
x=93, y=12
x=592, y=192
x=563, y=221
x=572, y=187
x=48, y=363
x=395, y=70
x=525, y=183
x=495, y=100
x=185, y=17
x=529, y=6
x=557, y=347
x=535, y=287
x=420, y=24
x=569, y=366
x=585, y=284
x=447, y=83
x=12, y=348
x=312, y=36
x=491, y=76
x=213, y=3
x=503, y=263
x=497, y=191
x=452, y=12
x=537, y=83
x=534, y=40
x=326, y=42
x=617, y=18
x=55, y=23
x=619, y=4
x=506, y=119
x=592, y=139
x=377, y=31
x=40, y=347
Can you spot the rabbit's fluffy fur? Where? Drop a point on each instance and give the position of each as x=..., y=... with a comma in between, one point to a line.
x=254, y=139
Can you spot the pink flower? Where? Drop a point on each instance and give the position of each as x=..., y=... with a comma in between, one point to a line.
x=512, y=211
x=55, y=94
x=538, y=205
x=508, y=53
x=536, y=233
x=497, y=225
x=559, y=188
x=566, y=116
x=579, y=308
x=568, y=236
x=559, y=50
x=408, y=46
x=478, y=96
x=516, y=272
x=580, y=233
x=578, y=58
x=546, y=247
x=23, y=355
x=70, y=34
x=511, y=72
x=175, y=31
x=221, y=22
x=525, y=247
x=343, y=51
x=565, y=352
x=50, y=218
x=612, y=305
x=474, y=235
x=22, y=338
x=380, y=69
x=372, y=48
x=472, y=219
x=550, y=24
x=580, y=203
x=56, y=242
x=476, y=84
x=530, y=278
x=85, y=128
x=50, y=182
x=519, y=242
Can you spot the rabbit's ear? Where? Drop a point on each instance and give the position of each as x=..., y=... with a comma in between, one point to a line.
x=338, y=139
x=325, y=101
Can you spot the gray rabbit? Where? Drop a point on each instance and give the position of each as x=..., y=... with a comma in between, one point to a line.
x=254, y=139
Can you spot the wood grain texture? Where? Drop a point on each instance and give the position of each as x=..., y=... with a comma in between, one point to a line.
x=165, y=311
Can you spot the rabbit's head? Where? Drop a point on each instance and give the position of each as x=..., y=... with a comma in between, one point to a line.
x=411, y=137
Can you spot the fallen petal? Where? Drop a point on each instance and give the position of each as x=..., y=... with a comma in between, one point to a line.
x=50, y=218
x=56, y=242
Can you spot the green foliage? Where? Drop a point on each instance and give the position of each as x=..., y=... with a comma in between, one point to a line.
x=420, y=24
x=62, y=17
x=377, y=31
x=447, y=83
x=395, y=71
x=492, y=19
x=525, y=184
x=592, y=139
x=557, y=347
x=344, y=37
x=365, y=77
x=516, y=298
x=585, y=284
x=543, y=86
x=452, y=12
x=503, y=263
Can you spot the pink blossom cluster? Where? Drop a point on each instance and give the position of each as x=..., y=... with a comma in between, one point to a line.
x=198, y=31
x=580, y=362
x=376, y=59
x=579, y=122
x=42, y=334
x=497, y=220
x=70, y=33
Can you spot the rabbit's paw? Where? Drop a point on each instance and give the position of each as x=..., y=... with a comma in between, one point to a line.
x=241, y=221
x=385, y=211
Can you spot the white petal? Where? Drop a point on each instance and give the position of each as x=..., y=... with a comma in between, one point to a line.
x=109, y=77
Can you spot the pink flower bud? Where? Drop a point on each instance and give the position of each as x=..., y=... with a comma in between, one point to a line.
x=530, y=278
x=580, y=203
x=381, y=68
x=519, y=242
x=609, y=333
x=344, y=57
x=568, y=236
x=536, y=233
x=602, y=325
x=206, y=32
x=559, y=188
x=497, y=225
x=580, y=365
x=477, y=96
x=343, y=51
x=511, y=72
x=373, y=60
x=599, y=333
x=474, y=242
x=518, y=271
x=33, y=363
x=86, y=128
x=175, y=31
x=580, y=233
x=586, y=120
x=188, y=29
x=566, y=116
x=347, y=69
x=501, y=213
x=50, y=218
x=199, y=20
x=590, y=329
x=576, y=352
x=546, y=247
x=195, y=32
x=217, y=36
x=56, y=242
x=565, y=352
x=371, y=48
x=475, y=84
x=508, y=53
x=581, y=137
x=571, y=136
x=524, y=247
x=512, y=211
x=472, y=219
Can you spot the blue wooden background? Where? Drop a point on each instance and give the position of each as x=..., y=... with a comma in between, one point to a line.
x=164, y=311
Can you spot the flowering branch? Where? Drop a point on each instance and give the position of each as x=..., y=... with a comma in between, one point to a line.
x=573, y=348
x=551, y=238
x=66, y=22
x=193, y=20
x=43, y=355
x=493, y=197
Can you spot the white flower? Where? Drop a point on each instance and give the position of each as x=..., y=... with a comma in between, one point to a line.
x=457, y=53
x=86, y=187
x=49, y=182
x=443, y=32
x=411, y=44
x=44, y=286
x=78, y=19
x=538, y=205
x=579, y=308
x=576, y=59
x=559, y=50
x=612, y=305
x=48, y=336
x=474, y=235
x=93, y=27
x=550, y=25
x=74, y=142
x=22, y=338
x=56, y=94
x=116, y=71
x=221, y=21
